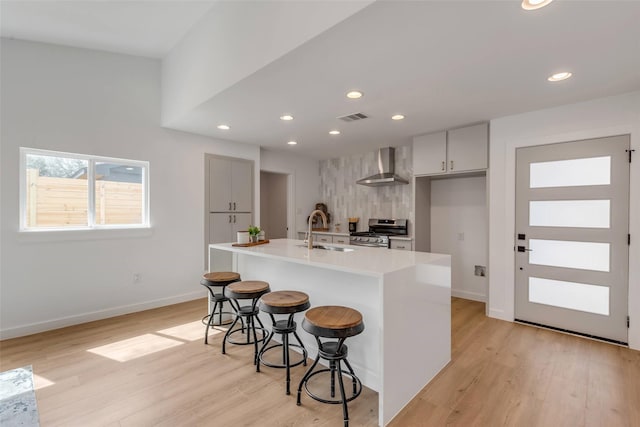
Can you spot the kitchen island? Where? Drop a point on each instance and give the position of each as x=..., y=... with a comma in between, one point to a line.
x=404, y=298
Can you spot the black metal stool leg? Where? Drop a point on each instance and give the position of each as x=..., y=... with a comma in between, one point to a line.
x=304, y=350
x=306, y=376
x=264, y=346
x=332, y=367
x=210, y=323
x=353, y=376
x=285, y=348
x=345, y=409
x=255, y=339
x=226, y=335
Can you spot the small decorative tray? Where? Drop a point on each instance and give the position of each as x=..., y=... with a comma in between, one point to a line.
x=245, y=245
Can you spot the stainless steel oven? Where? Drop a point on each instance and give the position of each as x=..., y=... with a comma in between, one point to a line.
x=379, y=232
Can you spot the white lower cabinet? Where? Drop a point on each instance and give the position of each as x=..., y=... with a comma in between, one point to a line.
x=322, y=238
x=404, y=245
x=343, y=240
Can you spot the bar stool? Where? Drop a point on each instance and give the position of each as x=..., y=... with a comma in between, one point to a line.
x=217, y=279
x=246, y=290
x=333, y=322
x=283, y=302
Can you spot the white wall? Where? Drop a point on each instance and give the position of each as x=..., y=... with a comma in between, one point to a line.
x=304, y=188
x=459, y=228
x=597, y=118
x=90, y=102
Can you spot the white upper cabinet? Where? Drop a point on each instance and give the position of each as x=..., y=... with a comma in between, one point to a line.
x=230, y=185
x=430, y=154
x=458, y=150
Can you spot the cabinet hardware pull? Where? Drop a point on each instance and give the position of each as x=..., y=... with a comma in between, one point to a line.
x=229, y=205
x=234, y=203
x=234, y=219
x=229, y=219
x=443, y=165
x=451, y=164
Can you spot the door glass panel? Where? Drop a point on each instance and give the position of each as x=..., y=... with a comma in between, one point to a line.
x=570, y=173
x=569, y=213
x=560, y=253
x=576, y=296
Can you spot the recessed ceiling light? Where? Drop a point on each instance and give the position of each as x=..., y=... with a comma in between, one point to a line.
x=286, y=117
x=292, y=142
x=534, y=4
x=129, y=169
x=223, y=127
x=334, y=132
x=354, y=94
x=559, y=76
x=397, y=117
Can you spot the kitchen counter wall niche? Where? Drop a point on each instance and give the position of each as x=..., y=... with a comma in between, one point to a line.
x=344, y=198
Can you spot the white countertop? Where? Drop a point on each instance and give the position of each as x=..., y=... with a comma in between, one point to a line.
x=362, y=260
x=401, y=238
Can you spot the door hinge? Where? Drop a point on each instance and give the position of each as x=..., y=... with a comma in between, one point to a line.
x=628, y=239
x=629, y=151
x=627, y=321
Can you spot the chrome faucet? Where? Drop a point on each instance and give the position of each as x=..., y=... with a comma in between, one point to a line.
x=310, y=233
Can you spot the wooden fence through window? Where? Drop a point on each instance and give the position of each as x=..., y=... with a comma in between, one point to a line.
x=60, y=202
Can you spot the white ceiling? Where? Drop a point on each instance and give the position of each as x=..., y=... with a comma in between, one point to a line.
x=141, y=28
x=440, y=63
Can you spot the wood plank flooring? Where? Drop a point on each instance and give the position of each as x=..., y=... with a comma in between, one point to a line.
x=152, y=369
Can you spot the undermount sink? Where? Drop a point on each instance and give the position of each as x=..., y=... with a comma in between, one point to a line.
x=330, y=248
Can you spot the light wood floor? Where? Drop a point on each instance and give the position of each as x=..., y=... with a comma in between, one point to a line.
x=152, y=368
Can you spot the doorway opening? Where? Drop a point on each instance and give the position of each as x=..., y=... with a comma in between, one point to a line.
x=274, y=204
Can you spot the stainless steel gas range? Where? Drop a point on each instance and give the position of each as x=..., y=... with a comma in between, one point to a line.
x=379, y=232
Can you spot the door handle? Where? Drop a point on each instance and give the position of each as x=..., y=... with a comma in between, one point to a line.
x=229, y=219
x=523, y=249
x=229, y=205
x=234, y=219
x=234, y=206
x=451, y=164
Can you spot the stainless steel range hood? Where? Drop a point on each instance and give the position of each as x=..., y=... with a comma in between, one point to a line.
x=386, y=166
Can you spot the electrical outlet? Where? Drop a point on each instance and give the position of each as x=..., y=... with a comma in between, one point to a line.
x=137, y=278
x=461, y=236
x=480, y=270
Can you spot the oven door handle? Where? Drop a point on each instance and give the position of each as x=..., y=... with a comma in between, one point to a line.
x=364, y=244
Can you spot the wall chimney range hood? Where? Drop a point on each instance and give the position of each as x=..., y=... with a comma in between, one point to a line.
x=386, y=170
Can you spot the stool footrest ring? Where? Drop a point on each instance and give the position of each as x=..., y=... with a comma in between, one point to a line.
x=333, y=401
x=282, y=365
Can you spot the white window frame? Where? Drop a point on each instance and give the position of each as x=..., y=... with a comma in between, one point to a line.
x=91, y=160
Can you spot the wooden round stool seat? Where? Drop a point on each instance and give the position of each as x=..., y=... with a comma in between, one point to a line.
x=246, y=289
x=220, y=276
x=333, y=321
x=284, y=302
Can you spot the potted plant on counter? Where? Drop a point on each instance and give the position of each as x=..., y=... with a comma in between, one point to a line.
x=254, y=230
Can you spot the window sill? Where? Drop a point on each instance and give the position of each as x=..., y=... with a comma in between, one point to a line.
x=86, y=234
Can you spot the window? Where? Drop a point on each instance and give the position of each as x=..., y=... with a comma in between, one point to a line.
x=65, y=191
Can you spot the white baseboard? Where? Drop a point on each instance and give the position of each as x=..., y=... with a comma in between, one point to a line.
x=474, y=296
x=34, y=328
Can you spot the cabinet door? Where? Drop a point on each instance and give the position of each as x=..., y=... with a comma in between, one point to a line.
x=467, y=148
x=241, y=185
x=219, y=186
x=220, y=228
x=322, y=238
x=240, y=222
x=430, y=154
x=343, y=240
x=404, y=245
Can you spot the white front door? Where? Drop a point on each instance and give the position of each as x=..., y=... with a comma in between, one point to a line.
x=572, y=225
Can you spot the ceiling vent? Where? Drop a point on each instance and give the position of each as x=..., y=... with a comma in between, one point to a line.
x=353, y=117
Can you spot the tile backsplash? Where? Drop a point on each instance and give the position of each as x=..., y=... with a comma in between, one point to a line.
x=344, y=198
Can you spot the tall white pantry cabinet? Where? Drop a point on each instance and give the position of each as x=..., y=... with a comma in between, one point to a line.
x=229, y=198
